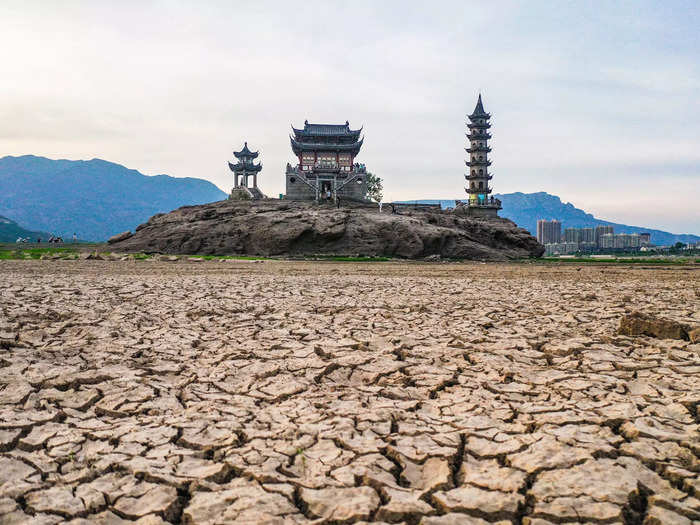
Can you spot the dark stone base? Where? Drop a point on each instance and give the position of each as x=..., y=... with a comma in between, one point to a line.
x=284, y=228
x=482, y=212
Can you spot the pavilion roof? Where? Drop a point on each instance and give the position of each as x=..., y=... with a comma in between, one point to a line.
x=299, y=146
x=245, y=166
x=245, y=152
x=326, y=130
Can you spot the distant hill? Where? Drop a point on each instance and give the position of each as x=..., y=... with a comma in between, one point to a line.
x=525, y=209
x=10, y=230
x=95, y=199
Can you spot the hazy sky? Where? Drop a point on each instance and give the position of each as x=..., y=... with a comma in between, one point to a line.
x=595, y=101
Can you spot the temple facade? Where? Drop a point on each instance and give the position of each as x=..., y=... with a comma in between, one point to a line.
x=480, y=202
x=326, y=169
x=243, y=171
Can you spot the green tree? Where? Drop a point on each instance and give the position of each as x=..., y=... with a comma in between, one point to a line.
x=374, y=187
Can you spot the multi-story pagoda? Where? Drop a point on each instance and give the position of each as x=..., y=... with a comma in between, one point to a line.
x=480, y=202
x=242, y=171
x=327, y=168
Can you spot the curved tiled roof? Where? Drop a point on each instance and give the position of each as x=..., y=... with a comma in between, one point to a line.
x=299, y=146
x=479, y=110
x=245, y=166
x=326, y=130
x=245, y=152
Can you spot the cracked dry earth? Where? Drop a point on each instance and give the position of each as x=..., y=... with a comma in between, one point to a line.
x=283, y=392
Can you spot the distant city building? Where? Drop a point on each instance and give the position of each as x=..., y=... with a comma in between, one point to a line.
x=243, y=170
x=606, y=241
x=548, y=232
x=587, y=235
x=600, y=231
x=588, y=240
x=572, y=235
x=480, y=203
x=561, y=248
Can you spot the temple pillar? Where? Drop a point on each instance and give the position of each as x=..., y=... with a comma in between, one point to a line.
x=255, y=180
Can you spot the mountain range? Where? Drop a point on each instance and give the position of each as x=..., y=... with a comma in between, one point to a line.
x=525, y=209
x=97, y=199
x=94, y=199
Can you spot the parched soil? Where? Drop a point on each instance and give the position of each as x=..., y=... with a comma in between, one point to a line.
x=298, y=392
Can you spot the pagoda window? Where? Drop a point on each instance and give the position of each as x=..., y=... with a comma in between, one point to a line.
x=473, y=172
x=481, y=185
x=481, y=172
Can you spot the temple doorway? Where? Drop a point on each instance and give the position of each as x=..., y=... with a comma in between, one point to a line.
x=326, y=189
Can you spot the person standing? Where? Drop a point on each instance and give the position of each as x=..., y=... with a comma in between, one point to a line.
x=75, y=238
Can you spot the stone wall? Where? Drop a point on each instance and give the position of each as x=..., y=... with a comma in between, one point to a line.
x=296, y=189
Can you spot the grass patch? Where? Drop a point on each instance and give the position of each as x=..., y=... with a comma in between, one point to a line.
x=10, y=252
x=230, y=257
x=621, y=260
x=347, y=258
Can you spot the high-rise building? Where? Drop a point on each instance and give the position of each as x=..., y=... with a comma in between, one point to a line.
x=587, y=235
x=572, y=235
x=606, y=240
x=548, y=232
x=600, y=231
x=645, y=239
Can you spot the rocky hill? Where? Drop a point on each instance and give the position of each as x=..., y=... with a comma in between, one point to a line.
x=93, y=198
x=273, y=227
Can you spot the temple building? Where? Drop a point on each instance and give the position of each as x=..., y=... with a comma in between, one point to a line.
x=480, y=203
x=243, y=171
x=326, y=168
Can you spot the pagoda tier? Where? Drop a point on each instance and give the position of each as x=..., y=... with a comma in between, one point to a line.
x=478, y=191
x=479, y=111
x=245, y=153
x=478, y=149
x=478, y=177
x=478, y=125
x=477, y=163
x=249, y=167
x=478, y=136
x=352, y=147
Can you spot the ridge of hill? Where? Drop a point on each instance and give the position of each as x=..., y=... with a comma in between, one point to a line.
x=93, y=198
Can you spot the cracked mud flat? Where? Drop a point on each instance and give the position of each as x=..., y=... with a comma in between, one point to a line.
x=235, y=392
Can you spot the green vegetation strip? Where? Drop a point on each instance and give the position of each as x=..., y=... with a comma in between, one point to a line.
x=63, y=252
x=346, y=258
x=627, y=260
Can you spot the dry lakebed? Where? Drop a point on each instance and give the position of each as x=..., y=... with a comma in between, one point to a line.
x=324, y=392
